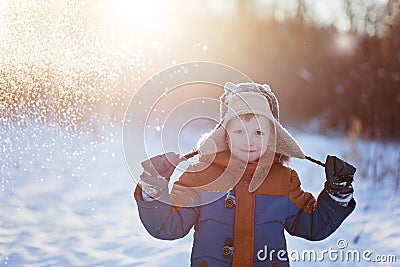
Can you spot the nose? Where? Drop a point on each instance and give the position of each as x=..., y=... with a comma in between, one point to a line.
x=250, y=140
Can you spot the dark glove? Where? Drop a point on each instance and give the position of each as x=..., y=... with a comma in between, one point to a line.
x=157, y=173
x=339, y=176
x=162, y=165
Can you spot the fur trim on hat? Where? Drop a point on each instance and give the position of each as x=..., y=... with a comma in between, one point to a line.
x=243, y=99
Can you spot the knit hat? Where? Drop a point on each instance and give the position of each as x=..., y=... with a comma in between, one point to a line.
x=245, y=98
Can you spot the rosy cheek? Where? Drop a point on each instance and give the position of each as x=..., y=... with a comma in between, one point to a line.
x=261, y=144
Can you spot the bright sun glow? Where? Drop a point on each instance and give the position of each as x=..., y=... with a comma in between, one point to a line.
x=136, y=11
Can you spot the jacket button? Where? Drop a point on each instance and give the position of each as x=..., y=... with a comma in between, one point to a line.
x=230, y=201
x=204, y=264
x=227, y=249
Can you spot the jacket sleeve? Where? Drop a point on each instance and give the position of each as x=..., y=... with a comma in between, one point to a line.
x=163, y=220
x=310, y=218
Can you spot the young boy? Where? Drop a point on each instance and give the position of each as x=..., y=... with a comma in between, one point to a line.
x=239, y=196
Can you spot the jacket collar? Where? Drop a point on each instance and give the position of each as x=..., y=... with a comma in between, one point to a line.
x=254, y=172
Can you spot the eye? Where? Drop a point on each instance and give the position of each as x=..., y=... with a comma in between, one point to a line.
x=238, y=131
x=259, y=133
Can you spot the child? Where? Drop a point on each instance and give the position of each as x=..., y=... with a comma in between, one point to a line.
x=239, y=196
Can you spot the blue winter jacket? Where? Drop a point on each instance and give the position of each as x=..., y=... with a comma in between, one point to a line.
x=235, y=227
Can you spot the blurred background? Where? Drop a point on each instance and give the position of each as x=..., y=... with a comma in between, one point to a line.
x=334, y=65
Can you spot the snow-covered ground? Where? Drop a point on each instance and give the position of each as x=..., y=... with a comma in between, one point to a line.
x=66, y=200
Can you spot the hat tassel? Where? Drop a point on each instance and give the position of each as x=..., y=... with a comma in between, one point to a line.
x=190, y=155
x=315, y=161
x=195, y=152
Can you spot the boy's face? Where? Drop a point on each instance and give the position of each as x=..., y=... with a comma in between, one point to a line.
x=248, y=139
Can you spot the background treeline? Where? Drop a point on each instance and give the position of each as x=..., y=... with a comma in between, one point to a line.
x=81, y=68
x=330, y=80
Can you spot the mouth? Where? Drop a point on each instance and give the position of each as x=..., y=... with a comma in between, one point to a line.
x=248, y=151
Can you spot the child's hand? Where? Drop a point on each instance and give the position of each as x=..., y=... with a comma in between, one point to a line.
x=157, y=172
x=162, y=165
x=339, y=176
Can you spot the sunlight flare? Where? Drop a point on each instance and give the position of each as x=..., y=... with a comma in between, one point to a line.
x=136, y=11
